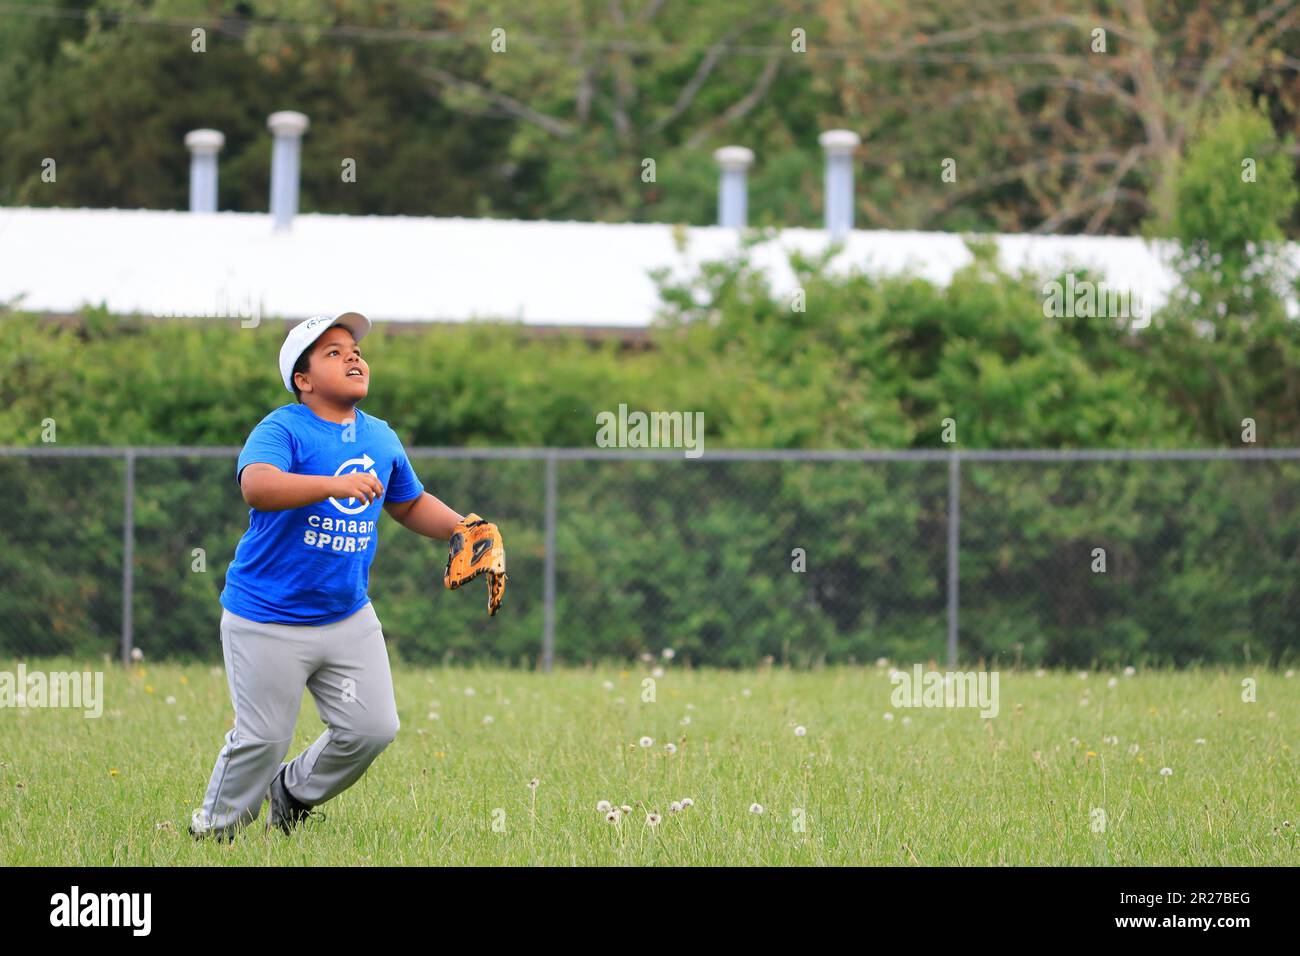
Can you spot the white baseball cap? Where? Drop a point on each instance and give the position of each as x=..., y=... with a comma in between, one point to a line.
x=302, y=335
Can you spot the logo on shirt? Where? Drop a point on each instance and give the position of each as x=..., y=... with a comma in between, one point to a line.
x=364, y=463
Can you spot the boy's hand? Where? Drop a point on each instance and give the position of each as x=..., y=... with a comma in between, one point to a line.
x=358, y=484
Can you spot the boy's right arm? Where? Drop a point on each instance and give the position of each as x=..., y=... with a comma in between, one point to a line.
x=267, y=488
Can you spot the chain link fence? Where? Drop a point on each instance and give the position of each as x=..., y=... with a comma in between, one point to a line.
x=1053, y=558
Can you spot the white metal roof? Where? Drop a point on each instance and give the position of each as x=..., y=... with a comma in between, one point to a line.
x=431, y=269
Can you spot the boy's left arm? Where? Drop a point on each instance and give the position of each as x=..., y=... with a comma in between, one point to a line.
x=425, y=515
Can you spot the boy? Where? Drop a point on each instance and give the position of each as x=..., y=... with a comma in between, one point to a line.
x=295, y=610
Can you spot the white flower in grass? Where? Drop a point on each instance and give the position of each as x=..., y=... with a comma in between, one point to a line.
x=1200, y=740
x=647, y=657
x=137, y=655
x=690, y=706
x=646, y=742
x=170, y=699
x=668, y=653
x=1130, y=671
x=888, y=716
x=907, y=721
x=1112, y=740
x=652, y=819
x=1074, y=741
x=755, y=808
x=1083, y=675
x=612, y=817
x=532, y=784
x=603, y=806
x=746, y=692
x=882, y=661
x=657, y=672
x=182, y=718
x=487, y=719
x=686, y=720
x=1040, y=673
x=687, y=803
x=627, y=811
x=1289, y=674
x=1166, y=772
x=434, y=716
x=469, y=691
x=675, y=807
x=800, y=730
x=670, y=747
x=1113, y=682
x=1133, y=750
x=608, y=685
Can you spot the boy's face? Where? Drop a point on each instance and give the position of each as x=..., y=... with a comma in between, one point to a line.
x=336, y=371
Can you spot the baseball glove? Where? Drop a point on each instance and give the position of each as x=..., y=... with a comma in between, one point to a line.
x=475, y=549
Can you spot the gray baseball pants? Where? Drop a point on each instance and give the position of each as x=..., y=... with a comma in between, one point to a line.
x=345, y=666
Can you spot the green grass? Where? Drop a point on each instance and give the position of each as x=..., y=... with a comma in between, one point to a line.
x=946, y=788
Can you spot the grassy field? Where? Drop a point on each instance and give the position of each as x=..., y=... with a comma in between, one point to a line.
x=927, y=787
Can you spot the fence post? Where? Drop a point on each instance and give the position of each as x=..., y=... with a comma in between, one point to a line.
x=954, y=524
x=548, y=574
x=128, y=557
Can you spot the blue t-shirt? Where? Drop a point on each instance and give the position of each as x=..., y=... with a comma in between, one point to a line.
x=311, y=565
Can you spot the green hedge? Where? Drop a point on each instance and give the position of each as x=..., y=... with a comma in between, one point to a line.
x=697, y=554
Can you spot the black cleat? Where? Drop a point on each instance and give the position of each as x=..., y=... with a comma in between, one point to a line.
x=287, y=812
